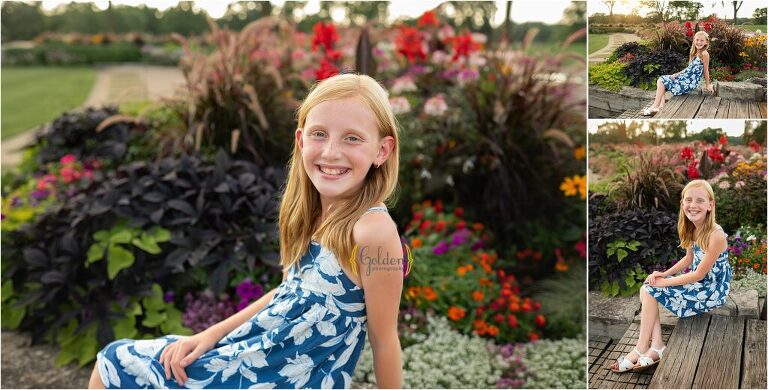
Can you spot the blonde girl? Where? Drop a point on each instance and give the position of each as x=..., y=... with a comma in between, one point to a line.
x=310, y=330
x=687, y=79
x=702, y=289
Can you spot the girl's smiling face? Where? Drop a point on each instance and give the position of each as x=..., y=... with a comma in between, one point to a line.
x=696, y=204
x=699, y=42
x=339, y=144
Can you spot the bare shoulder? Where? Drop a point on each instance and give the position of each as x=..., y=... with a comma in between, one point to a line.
x=705, y=54
x=717, y=241
x=376, y=228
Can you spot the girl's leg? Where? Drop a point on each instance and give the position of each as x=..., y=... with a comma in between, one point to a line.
x=660, y=91
x=649, y=315
x=95, y=382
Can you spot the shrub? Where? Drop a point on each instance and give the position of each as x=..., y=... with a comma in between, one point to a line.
x=563, y=300
x=723, y=73
x=749, y=74
x=671, y=38
x=649, y=184
x=240, y=95
x=645, y=68
x=746, y=181
x=726, y=42
x=624, y=247
x=95, y=257
x=751, y=280
x=555, y=364
x=608, y=75
x=633, y=48
x=71, y=54
x=443, y=358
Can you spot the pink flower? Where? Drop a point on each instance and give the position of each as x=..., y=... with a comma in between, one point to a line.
x=67, y=174
x=399, y=105
x=403, y=84
x=68, y=159
x=435, y=106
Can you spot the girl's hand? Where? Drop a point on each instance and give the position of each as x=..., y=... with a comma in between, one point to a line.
x=711, y=89
x=182, y=353
x=651, y=279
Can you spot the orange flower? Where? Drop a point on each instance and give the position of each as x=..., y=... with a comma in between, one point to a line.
x=477, y=226
x=470, y=267
x=514, y=306
x=455, y=313
x=478, y=296
x=461, y=271
x=540, y=321
x=412, y=293
x=493, y=330
x=533, y=336
x=417, y=243
x=756, y=266
x=485, y=282
x=440, y=226
x=427, y=203
x=561, y=266
x=580, y=153
x=430, y=294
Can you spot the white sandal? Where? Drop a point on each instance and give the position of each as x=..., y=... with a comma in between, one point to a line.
x=625, y=364
x=648, y=111
x=645, y=362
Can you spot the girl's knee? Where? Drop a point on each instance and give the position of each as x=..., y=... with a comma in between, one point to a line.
x=643, y=293
x=659, y=83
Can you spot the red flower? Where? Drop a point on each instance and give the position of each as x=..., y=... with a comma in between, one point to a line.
x=463, y=46
x=459, y=212
x=533, y=336
x=686, y=153
x=723, y=140
x=428, y=18
x=440, y=226
x=325, y=35
x=581, y=247
x=408, y=43
x=499, y=318
x=327, y=69
x=715, y=154
x=754, y=146
x=693, y=173
x=426, y=225
x=333, y=55
x=540, y=321
x=707, y=27
x=512, y=321
x=460, y=225
x=438, y=206
x=418, y=216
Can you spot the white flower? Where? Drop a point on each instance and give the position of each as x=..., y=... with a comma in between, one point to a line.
x=399, y=105
x=440, y=57
x=739, y=184
x=403, y=84
x=724, y=185
x=435, y=106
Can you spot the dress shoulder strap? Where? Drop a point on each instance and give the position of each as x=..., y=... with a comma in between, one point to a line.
x=376, y=208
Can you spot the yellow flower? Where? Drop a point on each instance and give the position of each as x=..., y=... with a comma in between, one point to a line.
x=568, y=186
x=580, y=153
x=743, y=54
x=575, y=185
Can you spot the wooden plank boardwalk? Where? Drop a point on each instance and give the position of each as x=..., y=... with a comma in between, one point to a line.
x=603, y=352
x=696, y=106
x=705, y=351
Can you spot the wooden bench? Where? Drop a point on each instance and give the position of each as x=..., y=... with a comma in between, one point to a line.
x=696, y=106
x=714, y=352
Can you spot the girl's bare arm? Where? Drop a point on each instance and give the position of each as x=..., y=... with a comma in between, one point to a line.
x=680, y=265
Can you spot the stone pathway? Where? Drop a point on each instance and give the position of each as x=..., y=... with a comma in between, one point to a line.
x=614, y=41
x=116, y=84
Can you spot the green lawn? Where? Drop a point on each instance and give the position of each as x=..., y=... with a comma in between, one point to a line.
x=597, y=42
x=753, y=27
x=32, y=96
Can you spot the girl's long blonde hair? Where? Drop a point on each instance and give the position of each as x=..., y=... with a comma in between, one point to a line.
x=695, y=51
x=300, y=207
x=686, y=229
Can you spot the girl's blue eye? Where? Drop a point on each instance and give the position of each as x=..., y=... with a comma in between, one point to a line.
x=353, y=138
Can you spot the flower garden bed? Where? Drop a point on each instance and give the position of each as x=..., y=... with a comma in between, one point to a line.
x=125, y=225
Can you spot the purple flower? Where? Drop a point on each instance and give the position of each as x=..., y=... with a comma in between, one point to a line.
x=460, y=237
x=248, y=291
x=168, y=297
x=15, y=201
x=39, y=194
x=479, y=244
x=441, y=248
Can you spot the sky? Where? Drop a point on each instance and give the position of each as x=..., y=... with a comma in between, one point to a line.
x=625, y=7
x=732, y=127
x=522, y=11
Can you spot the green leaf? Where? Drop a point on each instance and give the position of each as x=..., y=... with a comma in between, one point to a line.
x=629, y=280
x=633, y=245
x=95, y=253
x=125, y=328
x=160, y=234
x=7, y=290
x=147, y=244
x=101, y=235
x=12, y=315
x=121, y=237
x=610, y=252
x=153, y=319
x=135, y=309
x=614, y=288
x=621, y=254
x=118, y=259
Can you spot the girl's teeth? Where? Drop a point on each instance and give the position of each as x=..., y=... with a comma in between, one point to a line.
x=331, y=171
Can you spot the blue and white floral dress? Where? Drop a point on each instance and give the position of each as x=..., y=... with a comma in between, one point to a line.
x=687, y=80
x=698, y=297
x=310, y=335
